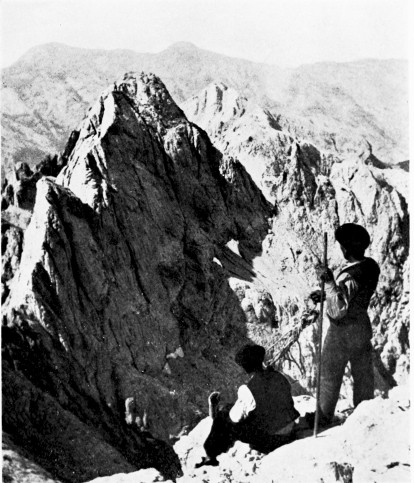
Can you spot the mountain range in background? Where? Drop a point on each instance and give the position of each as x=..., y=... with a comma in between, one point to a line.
x=165, y=235
x=334, y=105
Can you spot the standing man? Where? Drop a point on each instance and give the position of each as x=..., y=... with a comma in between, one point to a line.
x=263, y=415
x=349, y=334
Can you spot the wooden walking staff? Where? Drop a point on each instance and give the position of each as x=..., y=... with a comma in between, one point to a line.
x=318, y=377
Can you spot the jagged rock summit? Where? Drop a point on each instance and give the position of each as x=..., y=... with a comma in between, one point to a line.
x=240, y=128
x=118, y=296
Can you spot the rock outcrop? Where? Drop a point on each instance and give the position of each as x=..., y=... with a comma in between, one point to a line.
x=118, y=295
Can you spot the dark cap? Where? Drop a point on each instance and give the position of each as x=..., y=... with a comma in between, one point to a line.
x=353, y=236
x=250, y=356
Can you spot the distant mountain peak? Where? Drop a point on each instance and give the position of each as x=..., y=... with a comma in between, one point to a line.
x=183, y=46
x=49, y=48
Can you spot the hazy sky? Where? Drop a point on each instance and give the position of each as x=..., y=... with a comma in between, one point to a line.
x=280, y=32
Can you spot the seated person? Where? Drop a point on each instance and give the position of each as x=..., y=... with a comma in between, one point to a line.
x=263, y=415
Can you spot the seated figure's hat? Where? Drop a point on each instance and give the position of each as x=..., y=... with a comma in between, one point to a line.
x=250, y=354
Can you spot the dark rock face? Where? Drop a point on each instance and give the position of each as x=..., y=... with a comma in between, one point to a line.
x=54, y=436
x=117, y=294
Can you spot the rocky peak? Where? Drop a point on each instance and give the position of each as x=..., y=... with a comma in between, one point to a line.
x=218, y=98
x=152, y=99
x=223, y=104
x=284, y=169
x=183, y=47
x=117, y=289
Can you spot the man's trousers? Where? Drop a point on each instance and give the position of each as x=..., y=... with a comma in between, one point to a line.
x=343, y=344
x=224, y=433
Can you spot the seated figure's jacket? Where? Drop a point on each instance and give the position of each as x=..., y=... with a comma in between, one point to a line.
x=274, y=404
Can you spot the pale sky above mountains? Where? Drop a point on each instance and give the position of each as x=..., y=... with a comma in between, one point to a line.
x=281, y=32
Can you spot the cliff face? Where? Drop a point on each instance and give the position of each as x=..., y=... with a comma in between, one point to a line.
x=118, y=295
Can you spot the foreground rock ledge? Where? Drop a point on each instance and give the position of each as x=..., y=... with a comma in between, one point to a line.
x=371, y=446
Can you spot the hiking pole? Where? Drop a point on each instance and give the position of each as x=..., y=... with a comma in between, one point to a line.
x=318, y=377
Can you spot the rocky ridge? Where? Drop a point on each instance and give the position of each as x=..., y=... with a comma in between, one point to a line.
x=152, y=256
x=117, y=294
x=49, y=90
